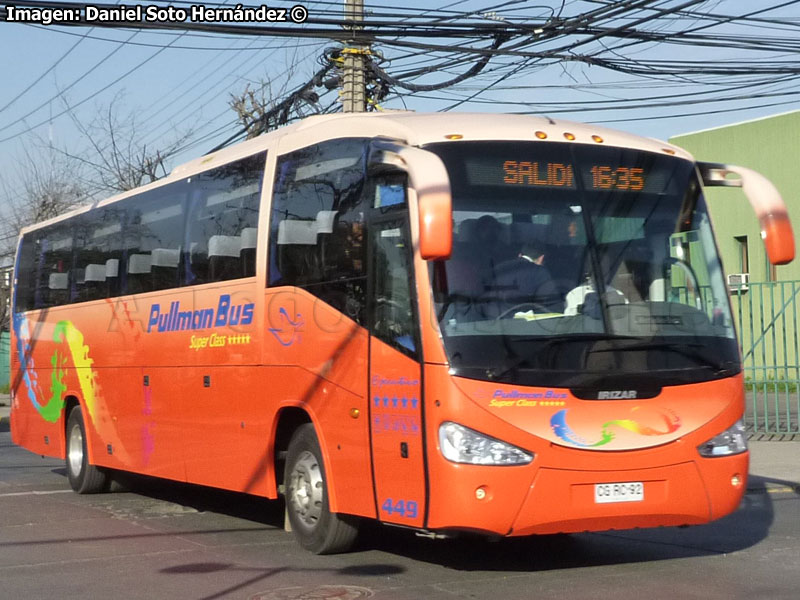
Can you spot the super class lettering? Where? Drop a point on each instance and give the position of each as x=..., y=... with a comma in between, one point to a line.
x=175, y=319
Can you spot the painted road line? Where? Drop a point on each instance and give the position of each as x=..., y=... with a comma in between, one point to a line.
x=36, y=493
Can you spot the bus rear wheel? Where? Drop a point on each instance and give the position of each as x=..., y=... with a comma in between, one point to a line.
x=313, y=524
x=84, y=478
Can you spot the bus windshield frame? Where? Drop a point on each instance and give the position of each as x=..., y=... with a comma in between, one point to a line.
x=539, y=228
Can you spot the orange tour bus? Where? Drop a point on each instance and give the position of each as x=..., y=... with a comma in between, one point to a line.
x=499, y=324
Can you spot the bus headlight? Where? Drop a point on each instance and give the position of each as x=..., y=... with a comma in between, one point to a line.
x=729, y=442
x=463, y=445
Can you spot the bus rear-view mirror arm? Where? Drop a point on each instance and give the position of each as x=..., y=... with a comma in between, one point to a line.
x=428, y=177
x=776, y=228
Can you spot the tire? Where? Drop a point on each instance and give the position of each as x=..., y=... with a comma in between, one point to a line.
x=83, y=477
x=316, y=528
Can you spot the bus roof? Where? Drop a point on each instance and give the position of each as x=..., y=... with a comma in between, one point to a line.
x=415, y=129
x=418, y=129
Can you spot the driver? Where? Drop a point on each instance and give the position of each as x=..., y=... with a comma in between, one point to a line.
x=525, y=280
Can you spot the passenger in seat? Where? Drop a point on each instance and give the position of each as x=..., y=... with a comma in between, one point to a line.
x=526, y=281
x=489, y=241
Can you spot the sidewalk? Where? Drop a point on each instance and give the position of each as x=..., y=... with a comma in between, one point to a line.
x=5, y=408
x=774, y=467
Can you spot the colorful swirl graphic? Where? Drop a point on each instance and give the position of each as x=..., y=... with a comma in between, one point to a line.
x=558, y=422
x=71, y=352
x=49, y=408
x=79, y=353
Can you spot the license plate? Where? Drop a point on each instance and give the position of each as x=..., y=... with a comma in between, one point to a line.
x=631, y=491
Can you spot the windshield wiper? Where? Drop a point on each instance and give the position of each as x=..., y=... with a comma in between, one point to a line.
x=518, y=361
x=498, y=372
x=687, y=349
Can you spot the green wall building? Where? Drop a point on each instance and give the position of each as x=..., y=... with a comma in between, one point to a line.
x=770, y=146
x=766, y=308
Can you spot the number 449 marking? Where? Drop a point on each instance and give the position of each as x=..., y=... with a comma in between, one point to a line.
x=405, y=508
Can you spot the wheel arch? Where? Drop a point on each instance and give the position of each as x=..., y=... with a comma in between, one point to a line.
x=287, y=421
x=70, y=402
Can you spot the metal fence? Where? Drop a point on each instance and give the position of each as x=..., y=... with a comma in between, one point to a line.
x=766, y=317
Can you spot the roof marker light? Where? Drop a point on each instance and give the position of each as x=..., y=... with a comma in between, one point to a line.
x=569, y=136
x=541, y=135
x=669, y=151
x=597, y=139
x=454, y=136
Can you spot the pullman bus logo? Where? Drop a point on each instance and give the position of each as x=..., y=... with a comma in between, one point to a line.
x=176, y=319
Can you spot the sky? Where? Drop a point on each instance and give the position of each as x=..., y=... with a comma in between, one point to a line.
x=178, y=84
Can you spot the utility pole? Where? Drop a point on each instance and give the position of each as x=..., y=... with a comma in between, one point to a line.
x=353, y=80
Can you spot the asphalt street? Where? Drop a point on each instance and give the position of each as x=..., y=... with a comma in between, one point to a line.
x=157, y=539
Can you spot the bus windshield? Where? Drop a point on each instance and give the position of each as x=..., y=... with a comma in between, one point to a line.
x=580, y=266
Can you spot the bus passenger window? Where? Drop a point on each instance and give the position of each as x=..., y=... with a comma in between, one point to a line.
x=28, y=264
x=223, y=221
x=98, y=239
x=317, y=224
x=55, y=264
x=154, y=238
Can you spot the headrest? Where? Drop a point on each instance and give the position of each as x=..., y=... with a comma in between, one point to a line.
x=112, y=267
x=292, y=231
x=249, y=237
x=224, y=245
x=138, y=263
x=58, y=281
x=95, y=272
x=165, y=257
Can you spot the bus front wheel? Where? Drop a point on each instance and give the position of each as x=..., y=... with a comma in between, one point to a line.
x=314, y=525
x=83, y=477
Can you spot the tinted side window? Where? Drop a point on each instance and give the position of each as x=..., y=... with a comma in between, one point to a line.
x=153, y=239
x=27, y=266
x=44, y=277
x=98, y=253
x=201, y=229
x=317, y=224
x=223, y=223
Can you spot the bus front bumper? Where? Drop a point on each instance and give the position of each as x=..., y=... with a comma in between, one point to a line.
x=559, y=500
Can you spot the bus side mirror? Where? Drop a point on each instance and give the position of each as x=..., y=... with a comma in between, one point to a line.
x=776, y=228
x=427, y=176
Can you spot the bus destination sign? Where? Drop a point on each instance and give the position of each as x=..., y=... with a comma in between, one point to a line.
x=560, y=175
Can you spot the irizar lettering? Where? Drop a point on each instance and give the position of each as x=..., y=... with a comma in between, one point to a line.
x=174, y=319
x=616, y=395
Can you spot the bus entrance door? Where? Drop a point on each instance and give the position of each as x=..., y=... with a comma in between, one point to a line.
x=395, y=389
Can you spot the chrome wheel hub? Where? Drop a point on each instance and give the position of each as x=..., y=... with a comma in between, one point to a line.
x=305, y=493
x=75, y=450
